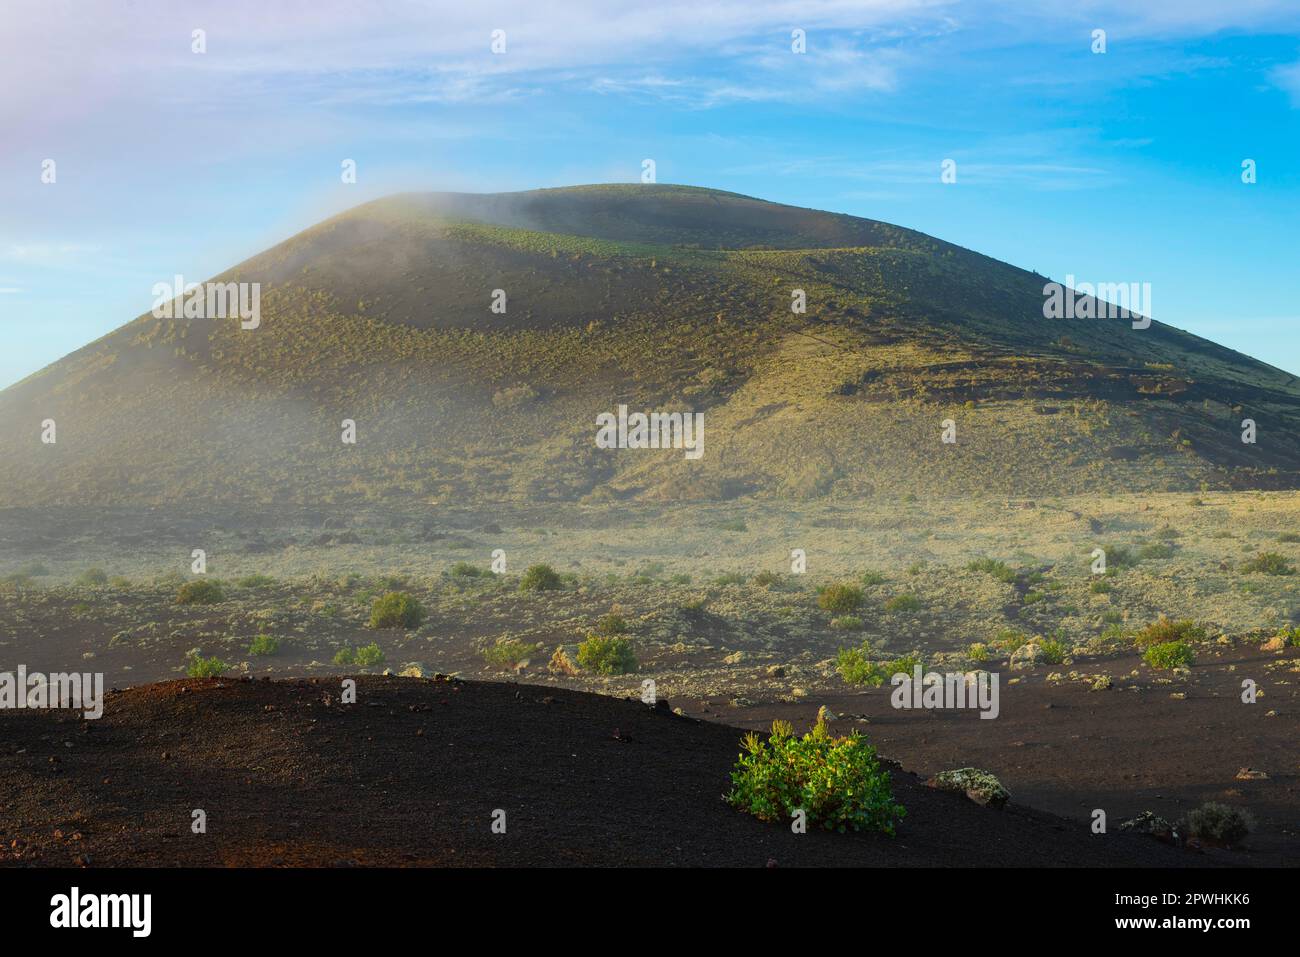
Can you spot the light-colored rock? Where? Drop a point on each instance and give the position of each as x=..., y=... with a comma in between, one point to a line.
x=979, y=786
x=1025, y=656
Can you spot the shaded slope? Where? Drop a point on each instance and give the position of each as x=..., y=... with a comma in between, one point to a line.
x=411, y=775
x=659, y=297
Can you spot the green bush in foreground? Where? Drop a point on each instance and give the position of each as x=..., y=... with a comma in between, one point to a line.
x=1219, y=823
x=606, y=656
x=201, y=591
x=540, y=578
x=396, y=610
x=264, y=645
x=200, y=667
x=839, y=598
x=836, y=782
x=1169, y=654
x=510, y=652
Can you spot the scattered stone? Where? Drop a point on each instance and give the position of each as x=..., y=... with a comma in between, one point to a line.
x=1102, y=683
x=826, y=714
x=413, y=670
x=1276, y=643
x=734, y=659
x=1251, y=774
x=1148, y=822
x=979, y=786
x=1025, y=656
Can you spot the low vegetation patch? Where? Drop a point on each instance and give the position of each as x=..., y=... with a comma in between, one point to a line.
x=999, y=570
x=396, y=610
x=540, y=577
x=367, y=656
x=856, y=667
x=201, y=591
x=837, y=782
x=1164, y=631
x=1219, y=823
x=200, y=667
x=1169, y=654
x=840, y=598
x=903, y=603
x=606, y=655
x=264, y=645
x=610, y=625
x=1269, y=563
x=510, y=653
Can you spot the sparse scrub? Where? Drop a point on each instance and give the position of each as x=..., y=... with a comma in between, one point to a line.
x=1053, y=651
x=847, y=623
x=766, y=579
x=91, y=576
x=201, y=591
x=609, y=625
x=1163, y=631
x=837, y=782
x=467, y=570
x=255, y=581
x=1268, y=563
x=903, y=603
x=999, y=570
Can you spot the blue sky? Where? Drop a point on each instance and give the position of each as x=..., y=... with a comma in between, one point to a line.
x=1116, y=167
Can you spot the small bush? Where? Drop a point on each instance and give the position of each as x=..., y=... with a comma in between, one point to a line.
x=346, y=655
x=903, y=603
x=1156, y=551
x=1117, y=556
x=92, y=576
x=467, y=570
x=847, y=623
x=977, y=651
x=1053, y=651
x=200, y=667
x=1163, y=631
x=837, y=782
x=201, y=591
x=255, y=581
x=396, y=610
x=610, y=625
x=766, y=579
x=370, y=656
x=509, y=653
x=1169, y=654
x=840, y=598
x=1268, y=563
x=264, y=645
x=606, y=656
x=1100, y=586
x=870, y=579
x=1219, y=823
x=540, y=578
x=1289, y=537
x=999, y=570
x=857, y=669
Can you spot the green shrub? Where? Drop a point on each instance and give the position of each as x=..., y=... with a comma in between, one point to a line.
x=370, y=656
x=1269, y=563
x=92, y=576
x=509, y=653
x=1163, y=631
x=264, y=645
x=903, y=603
x=606, y=656
x=200, y=591
x=396, y=610
x=200, y=667
x=1289, y=537
x=346, y=655
x=766, y=579
x=1156, y=551
x=1117, y=556
x=1053, y=651
x=540, y=578
x=856, y=668
x=977, y=651
x=610, y=625
x=730, y=578
x=1169, y=654
x=999, y=570
x=1100, y=586
x=840, y=598
x=871, y=579
x=1219, y=823
x=255, y=581
x=847, y=623
x=467, y=570
x=837, y=782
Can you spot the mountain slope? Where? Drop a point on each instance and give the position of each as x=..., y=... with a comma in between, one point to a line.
x=660, y=297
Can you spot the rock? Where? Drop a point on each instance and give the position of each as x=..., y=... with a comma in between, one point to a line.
x=1276, y=643
x=1025, y=656
x=979, y=786
x=413, y=670
x=734, y=659
x=1250, y=774
x=798, y=692
x=1148, y=822
x=827, y=715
